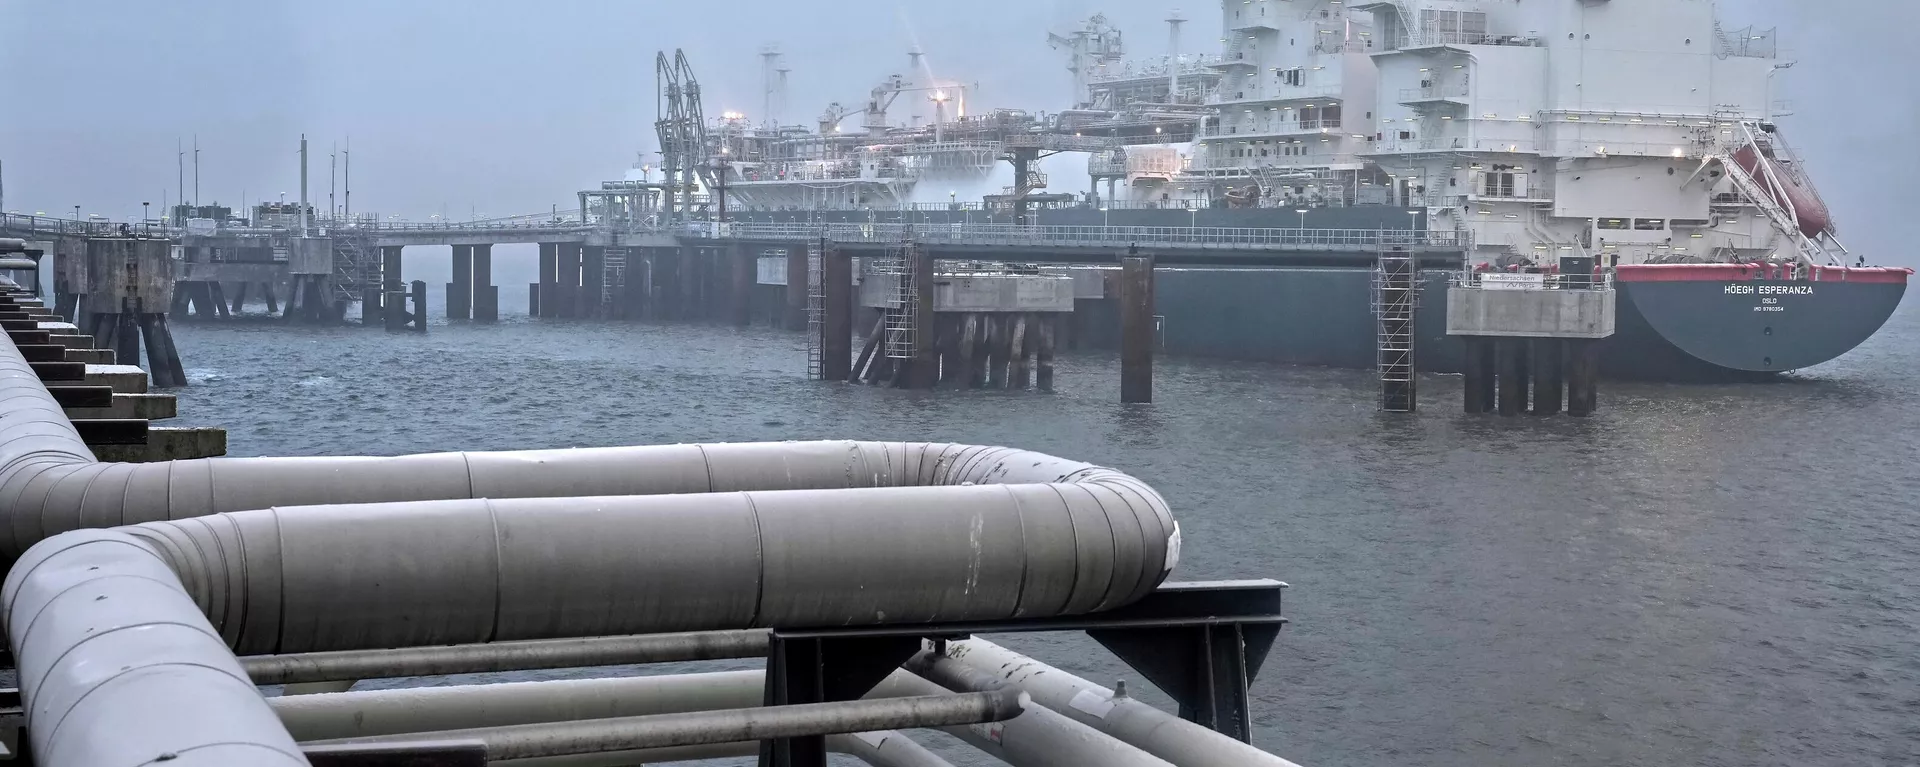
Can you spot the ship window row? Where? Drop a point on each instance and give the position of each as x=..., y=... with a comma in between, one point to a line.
x=1635, y=224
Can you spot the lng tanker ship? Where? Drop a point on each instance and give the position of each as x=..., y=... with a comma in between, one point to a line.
x=1638, y=136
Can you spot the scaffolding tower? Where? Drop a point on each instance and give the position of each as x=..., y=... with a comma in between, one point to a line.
x=816, y=306
x=1396, y=294
x=903, y=298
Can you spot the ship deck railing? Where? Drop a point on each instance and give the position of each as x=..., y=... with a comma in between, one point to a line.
x=1524, y=280
x=1115, y=237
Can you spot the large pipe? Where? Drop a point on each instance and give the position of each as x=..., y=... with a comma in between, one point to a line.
x=1011, y=534
x=320, y=578
x=427, y=709
x=977, y=664
x=504, y=656
x=50, y=483
x=696, y=728
x=118, y=668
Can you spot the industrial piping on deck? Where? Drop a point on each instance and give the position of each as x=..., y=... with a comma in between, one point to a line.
x=699, y=728
x=422, y=711
x=120, y=663
x=51, y=483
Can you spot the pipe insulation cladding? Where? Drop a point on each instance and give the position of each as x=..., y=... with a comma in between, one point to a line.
x=364, y=576
x=125, y=638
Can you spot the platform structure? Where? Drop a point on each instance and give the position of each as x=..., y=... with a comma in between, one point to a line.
x=1532, y=338
x=963, y=325
x=105, y=396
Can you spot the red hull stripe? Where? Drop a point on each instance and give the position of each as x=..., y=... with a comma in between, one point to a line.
x=1745, y=272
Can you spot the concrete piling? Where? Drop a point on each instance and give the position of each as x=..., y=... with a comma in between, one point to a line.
x=1507, y=363
x=1548, y=372
x=418, y=317
x=129, y=288
x=925, y=368
x=1020, y=345
x=1136, y=329
x=568, y=279
x=1477, y=375
x=460, y=290
x=542, y=298
x=593, y=277
x=218, y=297
x=966, y=370
x=1043, y=356
x=1544, y=342
x=486, y=295
x=690, y=278
x=796, y=293
x=394, y=301
x=1583, y=373
x=836, y=324
x=740, y=296
x=372, y=300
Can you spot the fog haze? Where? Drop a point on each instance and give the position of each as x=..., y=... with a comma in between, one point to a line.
x=502, y=107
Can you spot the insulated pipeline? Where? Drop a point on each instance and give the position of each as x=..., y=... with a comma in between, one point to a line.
x=328, y=578
x=50, y=483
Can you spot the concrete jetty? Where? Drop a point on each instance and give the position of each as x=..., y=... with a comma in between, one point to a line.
x=1530, y=338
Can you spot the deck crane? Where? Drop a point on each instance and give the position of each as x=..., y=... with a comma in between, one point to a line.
x=682, y=128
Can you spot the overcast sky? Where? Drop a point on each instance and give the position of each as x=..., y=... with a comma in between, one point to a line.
x=508, y=106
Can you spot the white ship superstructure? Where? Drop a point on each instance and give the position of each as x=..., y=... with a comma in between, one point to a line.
x=1295, y=103
x=1549, y=128
x=1631, y=130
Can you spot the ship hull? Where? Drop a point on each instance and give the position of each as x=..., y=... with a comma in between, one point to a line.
x=1675, y=323
x=1699, y=331
x=1706, y=325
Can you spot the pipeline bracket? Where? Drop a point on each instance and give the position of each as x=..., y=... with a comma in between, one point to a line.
x=816, y=668
x=1206, y=669
x=1200, y=642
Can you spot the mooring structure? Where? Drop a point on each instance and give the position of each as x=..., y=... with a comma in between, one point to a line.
x=1531, y=338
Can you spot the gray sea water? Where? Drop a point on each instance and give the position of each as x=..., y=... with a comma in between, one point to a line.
x=1699, y=575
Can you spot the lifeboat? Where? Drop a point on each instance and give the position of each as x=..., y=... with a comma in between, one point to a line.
x=1814, y=219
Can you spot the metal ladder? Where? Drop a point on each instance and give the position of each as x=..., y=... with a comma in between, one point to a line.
x=613, y=275
x=816, y=305
x=898, y=343
x=1396, y=294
